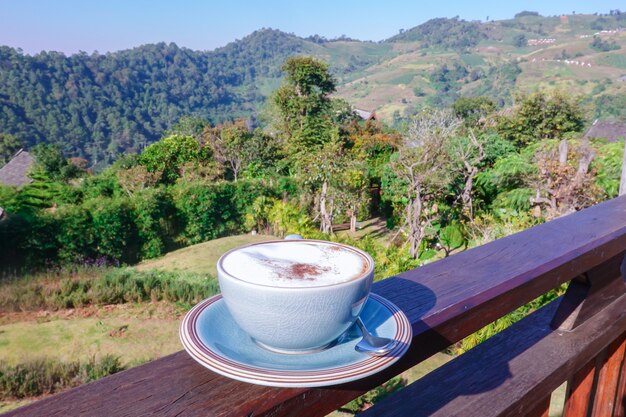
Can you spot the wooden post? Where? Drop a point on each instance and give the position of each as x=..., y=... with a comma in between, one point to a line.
x=608, y=375
x=563, y=152
x=578, y=394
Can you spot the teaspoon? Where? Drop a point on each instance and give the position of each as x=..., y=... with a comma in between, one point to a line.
x=373, y=345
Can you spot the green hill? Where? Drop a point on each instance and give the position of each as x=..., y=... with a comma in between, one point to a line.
x=200, y=258
x=99, y=106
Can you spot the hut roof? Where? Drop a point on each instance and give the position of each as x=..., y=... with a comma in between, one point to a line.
x=611, y=131
x=364, y=114
x=15, y=172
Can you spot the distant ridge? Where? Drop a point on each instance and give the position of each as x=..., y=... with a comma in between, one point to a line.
x=99, y=106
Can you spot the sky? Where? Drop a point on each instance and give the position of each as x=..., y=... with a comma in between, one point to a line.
x=70, y=26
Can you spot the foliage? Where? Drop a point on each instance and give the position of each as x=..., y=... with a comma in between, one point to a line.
x=472, y=109
x=452, y=237
x=97, y=286
x=99, y=106
x=167, y=157
x=608, y=167
x=206, y=211
x=9, y=145
x=610, y=106
x=50, y=162
x=455, y=33
x=542, y=116
x=303, y=104
x=520, y=40
x=601, y=45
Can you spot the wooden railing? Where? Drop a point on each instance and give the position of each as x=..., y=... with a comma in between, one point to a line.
x=578, y=338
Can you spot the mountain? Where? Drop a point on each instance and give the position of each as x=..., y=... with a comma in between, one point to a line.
x=443, y=59
x=98, y=106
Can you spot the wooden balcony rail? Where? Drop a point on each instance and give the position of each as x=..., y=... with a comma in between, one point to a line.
x=579, y=338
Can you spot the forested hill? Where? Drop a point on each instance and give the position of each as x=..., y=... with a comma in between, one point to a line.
x=98, y=106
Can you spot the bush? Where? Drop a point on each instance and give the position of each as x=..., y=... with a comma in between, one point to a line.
x=113, y=286
x=45, y=376
x=208, y=211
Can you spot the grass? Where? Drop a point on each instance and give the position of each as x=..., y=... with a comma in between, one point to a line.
x=614, y=60
x=134, y=332
x=6, y=406
x=402, y=79
x=201, y=258
x=472, y=59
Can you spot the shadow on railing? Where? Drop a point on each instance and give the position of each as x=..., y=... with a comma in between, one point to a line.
x=578, y=338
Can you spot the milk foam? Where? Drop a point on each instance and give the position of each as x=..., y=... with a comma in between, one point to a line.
x=294, y=264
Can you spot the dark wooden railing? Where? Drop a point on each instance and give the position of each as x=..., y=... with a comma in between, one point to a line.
x=579, y=338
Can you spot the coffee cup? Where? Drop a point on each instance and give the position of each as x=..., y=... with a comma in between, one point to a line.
x=295, y=296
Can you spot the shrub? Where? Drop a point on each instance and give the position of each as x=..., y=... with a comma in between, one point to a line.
x=113, y=286
x=45, y=376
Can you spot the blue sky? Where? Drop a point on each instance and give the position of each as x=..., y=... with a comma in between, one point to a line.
x=109, y=25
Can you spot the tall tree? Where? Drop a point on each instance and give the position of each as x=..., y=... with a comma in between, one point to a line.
x=303, y=104
x=310, y=135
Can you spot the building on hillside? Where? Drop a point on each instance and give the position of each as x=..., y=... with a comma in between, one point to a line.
x=15, y=172
x=365, y=115
x=611, y=131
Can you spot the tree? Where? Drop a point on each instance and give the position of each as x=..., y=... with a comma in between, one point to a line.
x=603, y=46
x=167, y=156
x=562, y=188
x=136, y=178
x=472, y=109
x=230, y=143
x=50, y=163
x=236, y=147
x=9, y=145
x=519, y=40
x=318, y=170
x=423, y=165
x=469, y=153
x=303, y=104
x=189, y=126
x=542, y=116
x=311, y=135
x=352, y=187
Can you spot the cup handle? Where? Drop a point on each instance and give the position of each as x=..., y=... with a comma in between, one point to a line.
x=294, y=237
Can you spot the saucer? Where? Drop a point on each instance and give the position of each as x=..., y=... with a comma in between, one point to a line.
x=210, y=335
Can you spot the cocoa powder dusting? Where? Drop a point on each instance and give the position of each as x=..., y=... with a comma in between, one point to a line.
x=306, y=271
